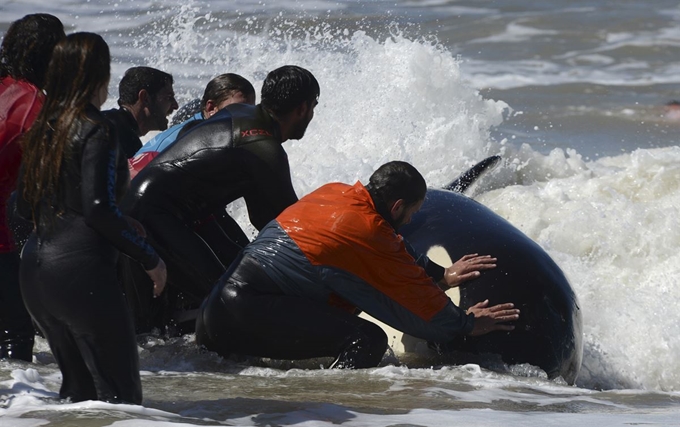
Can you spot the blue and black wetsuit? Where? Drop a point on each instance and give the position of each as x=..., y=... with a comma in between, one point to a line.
x=68, y=269
x=158, y=143
x=236, y=153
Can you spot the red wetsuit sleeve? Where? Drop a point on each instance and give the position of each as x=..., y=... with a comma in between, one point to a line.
x=20, y=103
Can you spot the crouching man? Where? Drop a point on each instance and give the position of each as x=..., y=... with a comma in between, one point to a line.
x=294, y=291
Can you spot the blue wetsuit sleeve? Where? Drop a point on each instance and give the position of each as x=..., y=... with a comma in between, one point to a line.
x=445, y=325
x=99, y=168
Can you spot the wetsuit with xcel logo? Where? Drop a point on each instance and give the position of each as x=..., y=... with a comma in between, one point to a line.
x=236, y=153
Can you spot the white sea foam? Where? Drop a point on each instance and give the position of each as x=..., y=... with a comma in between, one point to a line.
x=613, y=227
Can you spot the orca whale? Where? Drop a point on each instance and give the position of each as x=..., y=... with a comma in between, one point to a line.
x=548, y=333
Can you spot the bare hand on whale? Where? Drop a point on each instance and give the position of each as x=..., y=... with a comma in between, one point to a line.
x=488, y=319
x=467, y=268
x=158, y=275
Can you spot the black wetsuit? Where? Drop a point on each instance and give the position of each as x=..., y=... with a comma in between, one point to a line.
x=127, y=130
x=236, y=153
x=68, y=269
x=247, y=313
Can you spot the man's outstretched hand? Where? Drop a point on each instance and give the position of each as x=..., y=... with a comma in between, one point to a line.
x=488, y=319
x=467, y=268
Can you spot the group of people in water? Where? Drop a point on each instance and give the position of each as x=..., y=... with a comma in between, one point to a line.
x=68, y=209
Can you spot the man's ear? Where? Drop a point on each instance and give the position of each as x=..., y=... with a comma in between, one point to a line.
x=397, y=207
x=301, y=110
x=210, y=108
x=143, y=97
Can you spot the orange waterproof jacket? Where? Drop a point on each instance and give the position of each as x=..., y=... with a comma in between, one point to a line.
x=334, y=243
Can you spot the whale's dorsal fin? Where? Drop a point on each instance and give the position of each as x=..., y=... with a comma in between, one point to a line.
x=467, y=178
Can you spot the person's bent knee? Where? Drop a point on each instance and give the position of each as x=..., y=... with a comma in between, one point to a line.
x=364, y=349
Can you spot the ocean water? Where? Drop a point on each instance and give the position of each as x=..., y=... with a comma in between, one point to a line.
x=571, y=94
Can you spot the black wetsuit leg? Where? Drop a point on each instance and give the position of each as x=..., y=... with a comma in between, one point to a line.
x=148, y=312
x=172, y=313
x=16, y=327
x=247, y=314
x=70, y=288
x=21, y=229
x=193, y=269
x=219, y=240
x=232, y=229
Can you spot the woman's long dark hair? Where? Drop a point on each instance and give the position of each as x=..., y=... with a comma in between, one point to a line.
x=27, y=47
x=80, y=65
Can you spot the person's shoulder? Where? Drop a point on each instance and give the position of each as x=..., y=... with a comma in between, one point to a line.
x=238, y=111
x=97, y=121
x=255, y=125
x=126, y=127
x=19, y=91
x=114, y=114
x=115, y=117
x=161, y=140
x=22, y=85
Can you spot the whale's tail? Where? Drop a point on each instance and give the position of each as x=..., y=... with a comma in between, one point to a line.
x=467, y=178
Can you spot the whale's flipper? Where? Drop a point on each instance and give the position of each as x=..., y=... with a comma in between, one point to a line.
x=463, y=182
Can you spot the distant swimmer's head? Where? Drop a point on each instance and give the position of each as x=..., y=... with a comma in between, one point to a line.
x=27, y=47
x=398, y=191
x=224, y=90
x=672, y=110
x=148, y=94
x=290, y=93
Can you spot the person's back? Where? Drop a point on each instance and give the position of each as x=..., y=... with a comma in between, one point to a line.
x=360, y=257
x=20, y=102
x=237, y=153
x=58, y=216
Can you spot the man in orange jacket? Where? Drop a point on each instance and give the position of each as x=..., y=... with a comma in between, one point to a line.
x=295, y=290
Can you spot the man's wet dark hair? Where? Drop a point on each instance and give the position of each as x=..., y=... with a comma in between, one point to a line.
x=224, y=86
x=287, y=87
x=393, y=181
x=27, y=47
x=138, y=78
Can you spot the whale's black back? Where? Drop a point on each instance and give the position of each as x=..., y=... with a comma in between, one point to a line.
x=548, y=333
